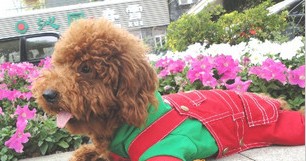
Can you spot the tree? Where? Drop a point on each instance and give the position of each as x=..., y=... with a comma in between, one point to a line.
x=33, y=4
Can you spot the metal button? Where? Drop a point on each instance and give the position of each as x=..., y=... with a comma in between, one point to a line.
x=225, y=150
x=241, y=143
x=184, y=108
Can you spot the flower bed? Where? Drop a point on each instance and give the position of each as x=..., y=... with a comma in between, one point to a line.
x=25, y=130
x=262, y=67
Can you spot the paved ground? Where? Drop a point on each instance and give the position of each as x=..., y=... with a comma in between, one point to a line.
x=274, y=153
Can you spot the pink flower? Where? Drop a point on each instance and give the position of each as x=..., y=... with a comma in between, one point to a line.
x=8, y=94
x=193, y=75
x=16, y=141
x=200, y=67
x=297, y=76
x=21, y=124
x=239, y=85
x=227, y=67
x=3, y=86
x=163, y=73
x=246, y=61
x=45, y=63
x=1, y=112
x=270, y=70
x=207, y=79
x=189, y=59
x=24, y=113
x=169, y=66
x=163, y=63
x=176, y=66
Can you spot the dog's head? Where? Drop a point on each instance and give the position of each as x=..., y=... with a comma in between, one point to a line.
x=100, y=74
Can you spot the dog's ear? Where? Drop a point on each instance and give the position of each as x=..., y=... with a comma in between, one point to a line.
x=136, y=86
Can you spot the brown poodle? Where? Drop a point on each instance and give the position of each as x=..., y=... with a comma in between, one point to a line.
x=100, y=81
x=102, y=77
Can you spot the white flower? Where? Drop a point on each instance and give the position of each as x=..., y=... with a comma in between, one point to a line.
x=253, y=45
x=257, y=58
x=153, y=57
x=290, y=49
x=270, y=48
x=217, y=49
x=195, y=49
x=237, y=51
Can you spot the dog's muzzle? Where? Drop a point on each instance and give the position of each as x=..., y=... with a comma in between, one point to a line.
x=50, y=95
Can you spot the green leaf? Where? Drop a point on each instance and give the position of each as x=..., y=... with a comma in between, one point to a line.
x=58, y=136
x=40, y=142
x=43, y=149
x=69, y=139
x=49, y=139
x=273, y=86
x=4, y=158
x=63, y=144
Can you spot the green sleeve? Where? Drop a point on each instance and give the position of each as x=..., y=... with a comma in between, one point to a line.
x=189, y=141
x=174, y=145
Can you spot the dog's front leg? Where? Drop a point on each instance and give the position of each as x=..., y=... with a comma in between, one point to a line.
x=101, y=145
x=87, y=153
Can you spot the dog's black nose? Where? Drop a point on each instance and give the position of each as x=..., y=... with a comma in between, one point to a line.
x=50, y=95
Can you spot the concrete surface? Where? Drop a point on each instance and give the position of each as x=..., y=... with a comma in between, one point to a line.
x=273, y=153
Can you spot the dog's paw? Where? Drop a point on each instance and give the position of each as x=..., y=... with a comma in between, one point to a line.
x=90, y=157
x=88, y=153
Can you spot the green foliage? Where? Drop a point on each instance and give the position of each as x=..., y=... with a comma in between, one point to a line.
x=47, y=138
x=190, y=29
x=234, y=27
x=253, y=23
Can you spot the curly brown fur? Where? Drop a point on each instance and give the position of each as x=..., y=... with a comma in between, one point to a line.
x=101, y=76
x=283, y=103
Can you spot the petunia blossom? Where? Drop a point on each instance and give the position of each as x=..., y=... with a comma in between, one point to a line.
x=201, y=70
x=176, y=66
x=24, y=113
x=163, y=63
x=239, y=85
x=227, y=67
x=297, y=76
x=163, y=73
x=17, y=139
x=270, y=70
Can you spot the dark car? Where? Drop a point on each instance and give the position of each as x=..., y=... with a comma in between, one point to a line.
x=27, y=48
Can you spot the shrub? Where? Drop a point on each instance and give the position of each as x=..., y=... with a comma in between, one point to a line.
x=190, y=29
x=253, y=23
x=214, y=26
x=25, y=130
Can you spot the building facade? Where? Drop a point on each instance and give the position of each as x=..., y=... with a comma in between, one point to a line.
x=147, y=19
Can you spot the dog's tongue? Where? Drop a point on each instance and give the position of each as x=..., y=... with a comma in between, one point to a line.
x=62, y=118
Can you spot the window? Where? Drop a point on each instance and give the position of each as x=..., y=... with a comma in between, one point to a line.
x=160, y=40
x=9, y=51
x=40, y=47
x=185, y=2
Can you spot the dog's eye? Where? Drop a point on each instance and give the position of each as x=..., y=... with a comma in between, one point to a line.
x=85, y=69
